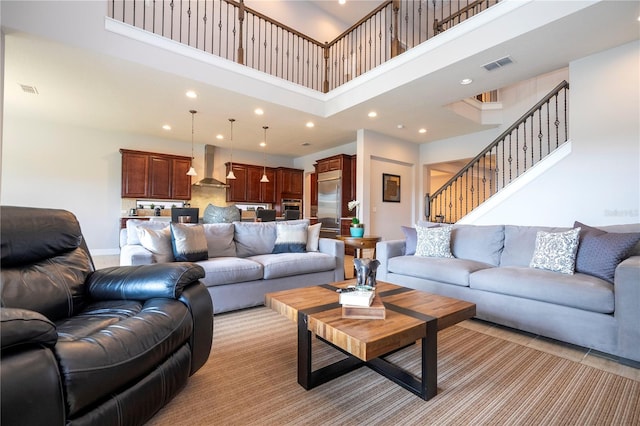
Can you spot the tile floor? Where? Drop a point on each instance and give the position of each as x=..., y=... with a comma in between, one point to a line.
x=565, y=350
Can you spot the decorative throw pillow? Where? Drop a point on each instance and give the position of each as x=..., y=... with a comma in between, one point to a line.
x=189, y=242
x=158, y=242
x=313, y=236
x=433, y=242
x=600, y=252
x=216, y=214
x=134, y=224
x=411, y=240
x=220, y=239
x=556, y=251
x=291, y=238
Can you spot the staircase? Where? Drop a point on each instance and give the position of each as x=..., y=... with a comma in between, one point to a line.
x=528, y=141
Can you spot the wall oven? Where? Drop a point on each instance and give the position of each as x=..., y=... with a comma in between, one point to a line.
x=291, y=204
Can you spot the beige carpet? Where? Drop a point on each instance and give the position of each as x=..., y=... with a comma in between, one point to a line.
x=250, y=379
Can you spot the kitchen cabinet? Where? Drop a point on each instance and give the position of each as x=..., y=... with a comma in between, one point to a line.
x=135, y=175
x=289, y=182
x=237, y=190
x=314, y=192
x=154, y=175
x=337, y=162
x=247, y=188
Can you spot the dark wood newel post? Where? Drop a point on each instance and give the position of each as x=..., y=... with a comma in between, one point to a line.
x=395, y=41
x=325, y=85
x=241, y=33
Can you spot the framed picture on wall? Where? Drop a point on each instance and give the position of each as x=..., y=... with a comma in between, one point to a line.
x=390, y=188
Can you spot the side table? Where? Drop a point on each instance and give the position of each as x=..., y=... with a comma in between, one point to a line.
x=359, y=244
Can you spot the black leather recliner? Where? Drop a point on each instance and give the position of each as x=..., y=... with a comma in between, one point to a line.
x=91, y=347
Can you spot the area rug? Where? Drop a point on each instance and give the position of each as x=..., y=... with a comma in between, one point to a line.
x=250, y=379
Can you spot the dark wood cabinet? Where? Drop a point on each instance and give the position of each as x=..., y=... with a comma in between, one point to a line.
x=160, y=177
x=181, y=182
x=237, y=190
x=135, y=175
x=314, y=191
x=154, y=175
x=247, y=188
x=289, y=182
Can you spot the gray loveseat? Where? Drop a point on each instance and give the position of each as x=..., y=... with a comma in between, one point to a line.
x=240, y=267
x=491, y=268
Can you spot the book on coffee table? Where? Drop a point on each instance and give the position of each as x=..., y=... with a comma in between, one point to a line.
x=375, y=311
x=357, y=298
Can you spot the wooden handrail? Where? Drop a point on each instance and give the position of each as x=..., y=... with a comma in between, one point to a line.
x=274, y=22
x=360, y=22
x=437, y=25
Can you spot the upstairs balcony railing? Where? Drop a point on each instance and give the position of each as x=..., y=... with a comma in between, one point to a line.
x=525, y=143
x=231, y=30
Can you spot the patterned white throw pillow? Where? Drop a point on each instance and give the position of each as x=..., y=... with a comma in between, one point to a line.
x=556, y=251
x=433, y=242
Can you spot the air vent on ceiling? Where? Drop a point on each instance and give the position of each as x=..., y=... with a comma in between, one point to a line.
x=498, y=63
x=29, y=89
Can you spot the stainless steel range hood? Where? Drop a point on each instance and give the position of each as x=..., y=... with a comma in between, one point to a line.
x=209, y=180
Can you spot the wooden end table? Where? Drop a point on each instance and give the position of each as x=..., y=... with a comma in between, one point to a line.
x=411, y=315
x=360, y=243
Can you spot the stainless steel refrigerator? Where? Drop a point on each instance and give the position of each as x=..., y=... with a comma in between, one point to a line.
x=329, y=202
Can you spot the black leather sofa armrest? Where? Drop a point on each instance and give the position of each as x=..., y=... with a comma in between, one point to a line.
x=199, y=302
x=21, y=327
x=143, y=282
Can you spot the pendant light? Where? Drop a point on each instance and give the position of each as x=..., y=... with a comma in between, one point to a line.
x=192, y=171
x=231, y=175
x=264, y=179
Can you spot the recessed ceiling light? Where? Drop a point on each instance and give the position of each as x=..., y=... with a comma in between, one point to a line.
x=258, y=111
x=342, y=1
x=309, y=124
x=166, y=127
x=305, y=144
x=263, y=144
x=372, y=114
x=423, y=130
x=219, y=137
x=400, y=126
x=466, y=81
x=191, y=94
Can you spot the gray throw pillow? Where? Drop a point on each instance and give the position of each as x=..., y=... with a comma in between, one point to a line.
x=600, y=252
x=556, y=251
x=220, y=239
x=254, y=238
x=217, y=214
x=188, y=242
x=411, y=240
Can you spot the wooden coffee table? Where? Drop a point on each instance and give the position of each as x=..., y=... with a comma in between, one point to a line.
x=411, y=315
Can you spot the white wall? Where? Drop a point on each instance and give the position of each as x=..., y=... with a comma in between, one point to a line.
x=599, y=183
x=378, y=154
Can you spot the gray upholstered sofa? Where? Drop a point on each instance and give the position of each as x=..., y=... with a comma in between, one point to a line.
x=240, y=267
x=491, y=268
